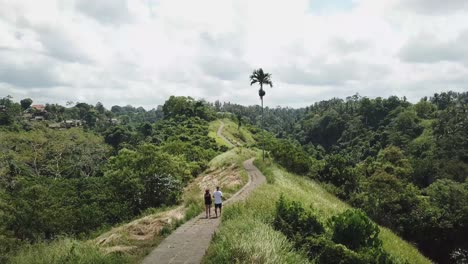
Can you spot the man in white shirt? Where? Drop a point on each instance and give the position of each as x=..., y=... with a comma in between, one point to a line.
x=218, y=201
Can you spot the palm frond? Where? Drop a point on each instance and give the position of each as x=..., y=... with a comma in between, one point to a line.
x=261, y=77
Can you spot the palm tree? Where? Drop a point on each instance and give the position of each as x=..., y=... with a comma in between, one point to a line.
x=260, y=77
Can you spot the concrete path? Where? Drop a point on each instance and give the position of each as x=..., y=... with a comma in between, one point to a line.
x=220, y=134
x=189, y=242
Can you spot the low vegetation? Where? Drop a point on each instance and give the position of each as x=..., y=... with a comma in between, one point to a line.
x=65, y=250
x=315, y=208
x=404, y=164
x=76, y=171
x=57, y=181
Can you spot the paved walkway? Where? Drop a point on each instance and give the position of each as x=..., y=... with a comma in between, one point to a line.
x=189, y=242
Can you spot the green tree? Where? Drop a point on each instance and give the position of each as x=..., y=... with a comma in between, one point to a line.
x=239, y=120
x=388, y=200
x=260, y=77
x=26, y=103
x=296, y=222
x=339, y=172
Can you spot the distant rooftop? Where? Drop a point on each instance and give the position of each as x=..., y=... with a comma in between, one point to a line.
x=38, y=107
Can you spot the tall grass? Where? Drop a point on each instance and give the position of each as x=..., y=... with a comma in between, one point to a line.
x=64, y=251
x=236, y=240
x=245, y=238
x=233, y=156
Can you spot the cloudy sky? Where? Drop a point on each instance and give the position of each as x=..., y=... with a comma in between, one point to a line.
x=140, y=52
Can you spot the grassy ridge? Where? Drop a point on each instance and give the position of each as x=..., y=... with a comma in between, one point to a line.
x=237, y=136
x=259, y=210
x=67, y=250
x=213, y=133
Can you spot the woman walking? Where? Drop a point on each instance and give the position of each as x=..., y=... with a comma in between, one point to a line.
x=208, y=202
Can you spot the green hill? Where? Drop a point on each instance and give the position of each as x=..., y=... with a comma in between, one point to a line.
x=237, y=136
x=247, y=235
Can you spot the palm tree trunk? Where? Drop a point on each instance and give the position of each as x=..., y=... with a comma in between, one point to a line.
x=263, y=138
x=263, y=125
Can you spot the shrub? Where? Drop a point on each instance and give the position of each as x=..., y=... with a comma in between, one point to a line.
x=355, y=230
x=293, y=220
x=376, y=256
x=314, y=246
x=339, y=254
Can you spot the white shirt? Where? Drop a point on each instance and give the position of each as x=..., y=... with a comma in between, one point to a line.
x=217, y=196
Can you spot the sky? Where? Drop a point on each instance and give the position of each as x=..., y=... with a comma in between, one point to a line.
x=140, y=52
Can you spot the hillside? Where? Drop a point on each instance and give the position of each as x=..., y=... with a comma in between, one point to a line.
x=110, y=188
x=247, y=235
x=130, y=242
x=238, y=136
x=138, y=237
x=405, y=164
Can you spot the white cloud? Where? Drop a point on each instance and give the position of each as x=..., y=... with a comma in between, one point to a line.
x=426, y=48
x=435, y=7
x=106, y=11
x=142, y=51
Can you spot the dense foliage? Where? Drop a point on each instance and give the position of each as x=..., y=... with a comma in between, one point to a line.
x=73, y=180
x=404, y=164
x=353, y=237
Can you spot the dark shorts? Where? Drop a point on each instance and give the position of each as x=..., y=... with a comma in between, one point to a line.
x=218, y=205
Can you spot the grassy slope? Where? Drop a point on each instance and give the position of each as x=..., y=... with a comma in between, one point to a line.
x=237, y=136
x=246, y=234
x=213, y=129
x=225, y=170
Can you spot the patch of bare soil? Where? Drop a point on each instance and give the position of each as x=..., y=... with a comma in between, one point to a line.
x=140, y=230
x=127, y=238
x=224, y=177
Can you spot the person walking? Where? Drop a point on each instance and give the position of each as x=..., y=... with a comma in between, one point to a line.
x=208, y=202
x=218, y=197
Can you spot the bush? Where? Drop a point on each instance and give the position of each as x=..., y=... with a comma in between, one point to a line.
x=322, y=250
x=293, y=220
x=314, y=246
x=339, y=254
x=376, y=256
x=355, y=230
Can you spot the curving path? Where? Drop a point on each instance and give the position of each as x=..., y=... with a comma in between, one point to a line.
x=220, y=134
x=189, y=242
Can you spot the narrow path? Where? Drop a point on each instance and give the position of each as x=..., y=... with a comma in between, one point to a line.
x=189, y=242
x=220, y=134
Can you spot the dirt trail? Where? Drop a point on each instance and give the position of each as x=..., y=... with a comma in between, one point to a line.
x=220, y=134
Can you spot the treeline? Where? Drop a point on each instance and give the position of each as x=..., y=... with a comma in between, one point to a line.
x=16, y=115
x=77, y=180
x=404, y=164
